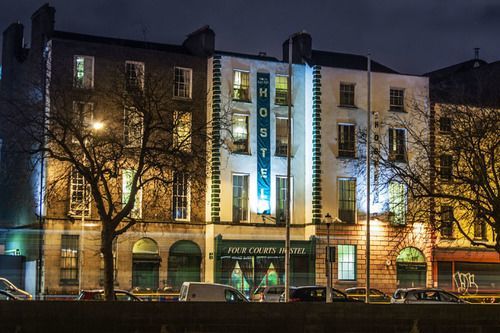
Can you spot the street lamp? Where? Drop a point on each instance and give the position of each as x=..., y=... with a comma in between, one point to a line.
x=328, y=220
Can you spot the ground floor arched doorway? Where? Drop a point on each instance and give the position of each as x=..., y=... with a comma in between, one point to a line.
x=411, y=268
x=184, y=263
x=145, y=264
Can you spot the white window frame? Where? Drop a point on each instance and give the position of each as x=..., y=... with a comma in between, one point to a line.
x=186, y=194
x=341, y=92
x=276, y=102
x=179, y=123
x=346, y=270
x=397, y=107
x=234, y=174
x=276, y=137
x=79, y=185
x=248, y=87
x=140, y=77
x=395, y=201
x=247, y=116
x=136, y=211
x=339, y=179
x=394, y=153
x=276, y=197
x=90, y=79
x=339, y=137
x=177, y=84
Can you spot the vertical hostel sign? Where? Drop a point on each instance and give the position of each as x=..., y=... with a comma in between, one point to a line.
x=263, y=145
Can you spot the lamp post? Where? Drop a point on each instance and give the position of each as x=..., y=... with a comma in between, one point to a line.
x=328, y=221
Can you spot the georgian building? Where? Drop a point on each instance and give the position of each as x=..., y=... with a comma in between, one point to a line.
x=165, y=247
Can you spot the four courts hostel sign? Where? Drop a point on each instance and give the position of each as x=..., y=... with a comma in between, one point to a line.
x=263, y=145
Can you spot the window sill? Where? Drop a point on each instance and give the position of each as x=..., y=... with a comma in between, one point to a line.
x=282, y=156
x=179, y=98
x=398, y=110
x=242, y=100
x=347, y=106
x=241, y=153
x=354, y=157
x=68, y=283
x=282, y=104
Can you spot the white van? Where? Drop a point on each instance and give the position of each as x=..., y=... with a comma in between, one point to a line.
x=209, y=292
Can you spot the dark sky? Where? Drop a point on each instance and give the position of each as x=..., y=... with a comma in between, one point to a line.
x=411, y=36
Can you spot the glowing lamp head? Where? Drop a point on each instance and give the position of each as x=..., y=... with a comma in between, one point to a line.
x=98, y=125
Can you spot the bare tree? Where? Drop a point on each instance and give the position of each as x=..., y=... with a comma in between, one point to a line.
x=449, y=163
x=127, y=134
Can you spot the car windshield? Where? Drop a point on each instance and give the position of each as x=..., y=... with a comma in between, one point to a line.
x=259, y=290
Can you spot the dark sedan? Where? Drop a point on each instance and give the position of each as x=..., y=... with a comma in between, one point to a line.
x=315, y=294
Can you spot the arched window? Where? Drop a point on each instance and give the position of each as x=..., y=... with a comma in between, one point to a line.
x=145, y=264
x=184, y=263
x=411, y=268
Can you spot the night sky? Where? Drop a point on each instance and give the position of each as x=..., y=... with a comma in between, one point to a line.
x=411, y=36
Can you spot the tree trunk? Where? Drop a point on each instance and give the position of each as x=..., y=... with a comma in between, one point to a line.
x=107, y=252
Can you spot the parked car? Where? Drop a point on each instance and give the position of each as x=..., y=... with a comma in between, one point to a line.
x=376, y=295
x=9, y=287
x=210, y=292
x=424, y=296
x=98, y=295
x=267, y=294
x=6, y=296
x=315, y=294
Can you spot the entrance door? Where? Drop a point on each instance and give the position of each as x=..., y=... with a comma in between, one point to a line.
x=145, y=264
x=184, y=263
x=411, y=268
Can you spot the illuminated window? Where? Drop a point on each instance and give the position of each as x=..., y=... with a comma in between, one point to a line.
x=134, y=75
x=281, y=199
x=127, y=179
x=241, y=85
x=446, y=221
x=347, y=262
x=182, y=84
x=347, y=199
x=397, y=97
x=240, y=134
x=79, y=195
x=397, y=144
x=346, y=140
x=133, y=127
x=479, y=228
x=240, y=198
x=445, y=167
x=182, y=131
x=347, y=94
x=445, y=124
x=281, y=90
x=181, y=197
x=83, y=72
x=69, y=259
x=397, y=202
x=281, y=136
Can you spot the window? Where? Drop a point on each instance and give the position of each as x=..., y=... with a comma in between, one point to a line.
x=69, y=259
x=281, y=90
x=445, y=124
x=346, y=140
x=83, y=72
x=133, y=127
x=241, y=85
x=181, y=197
x=445, y=167
x=347, y=262
x=397, y=144
x=79, y=195
x=281, y=136
x=134, y=75
x=240, y=133
x=479, y=229
x=397, y=203
x=347, y=94
x=446, y=221
x=127, y=179
x=182, y=131
x=182, y=84
x=397, y=97
x=240, y=198
x=347, y=199
x=281, y=200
